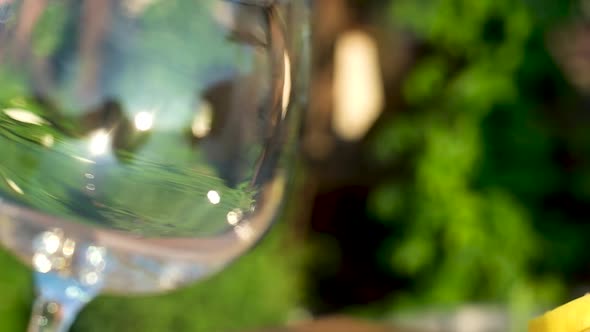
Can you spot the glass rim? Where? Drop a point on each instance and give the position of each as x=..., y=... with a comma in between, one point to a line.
x=205, y=255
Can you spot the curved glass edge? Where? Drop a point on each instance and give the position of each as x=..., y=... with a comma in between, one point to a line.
x=148, y=265
x=135, y=264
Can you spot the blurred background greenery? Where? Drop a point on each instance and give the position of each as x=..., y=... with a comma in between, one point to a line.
x=471, y=183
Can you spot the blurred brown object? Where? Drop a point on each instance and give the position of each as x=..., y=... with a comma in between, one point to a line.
x=340, y=172
x=570, y=46
x=330, y=157
x=338, y=324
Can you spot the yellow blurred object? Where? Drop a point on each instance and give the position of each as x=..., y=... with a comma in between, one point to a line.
x=571, y=317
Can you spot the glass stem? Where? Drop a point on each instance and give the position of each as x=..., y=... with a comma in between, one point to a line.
x=59, y=300
x=50, y=316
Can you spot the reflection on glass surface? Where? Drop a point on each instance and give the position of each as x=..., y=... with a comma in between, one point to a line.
x=234, y=217
x=145, y=142
x=125, y=125
x=53, y=251
x=244, y=231
x=286, y=86
x=214, y=197
x=202, y=122
x=144, y=121
x=24, y=116
x=99, y=142
x=67, y=276
x=14, y=187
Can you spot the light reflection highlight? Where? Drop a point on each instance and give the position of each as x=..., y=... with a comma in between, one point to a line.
x=171, y=276
x=358, y=88
x=201, y=125
x=95, y=256
x=42, y=263
x=287, y=85
x=144, y=121
x=94, y=265
x=223, y=14
x=91, y=278
x=84, y=160
x=69, y=247
x=15, y=187
x=214, y=197
x=74, y=292
x=54, y=252
x=244, y=231
x=51, y=242
x=100, y=142
x=25, y=116
x=234, y=217
x=42, y=321
x=47, y=141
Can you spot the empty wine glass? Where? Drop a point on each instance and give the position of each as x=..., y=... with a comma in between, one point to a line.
x=145, y=143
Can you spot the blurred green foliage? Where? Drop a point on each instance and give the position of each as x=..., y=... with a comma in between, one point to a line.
x=17, y=293
x=479, y=139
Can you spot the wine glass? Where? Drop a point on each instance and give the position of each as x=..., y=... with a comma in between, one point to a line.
x=145, y=143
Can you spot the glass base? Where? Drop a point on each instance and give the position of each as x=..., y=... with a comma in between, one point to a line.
x=59, y=301
x=68, y=274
